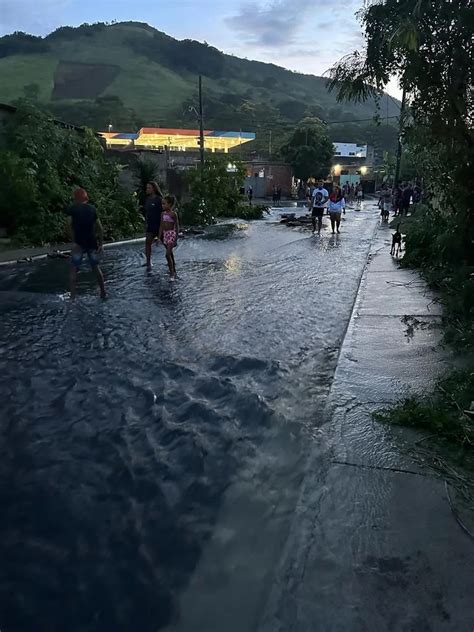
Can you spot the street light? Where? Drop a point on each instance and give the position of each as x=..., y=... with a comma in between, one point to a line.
x=363, y=170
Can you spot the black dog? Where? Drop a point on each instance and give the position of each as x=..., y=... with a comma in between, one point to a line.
x=384, y=214
x=396, y=242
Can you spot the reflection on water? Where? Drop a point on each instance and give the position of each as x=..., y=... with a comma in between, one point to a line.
x=125, y=423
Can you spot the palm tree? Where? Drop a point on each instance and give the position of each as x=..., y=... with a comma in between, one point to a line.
x=144, y=171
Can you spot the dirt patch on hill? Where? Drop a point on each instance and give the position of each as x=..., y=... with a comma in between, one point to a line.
x=82, y=81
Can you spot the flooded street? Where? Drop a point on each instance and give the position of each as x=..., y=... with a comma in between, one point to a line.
x=136, y=431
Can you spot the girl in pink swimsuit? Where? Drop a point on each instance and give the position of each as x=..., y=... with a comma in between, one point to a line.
x=168, y=234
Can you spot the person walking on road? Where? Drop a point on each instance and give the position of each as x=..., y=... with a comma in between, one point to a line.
x=385, y=202
x=407, y=192
x=250, y=194
x=169, y=229
x=397, y=199
x=359, y=195
x=152, y=210
x=318, y=203
x=88, y=240
x=335, y=206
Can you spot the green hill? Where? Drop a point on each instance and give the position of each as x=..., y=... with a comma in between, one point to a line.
x=130, y=74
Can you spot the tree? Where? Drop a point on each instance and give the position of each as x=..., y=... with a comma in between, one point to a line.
x=144, y=170
x=31, y=91
x=428, y=46
x=40, y=164
x=19, y=43
x=292, y=109
x=215, y=190
x=309, y=150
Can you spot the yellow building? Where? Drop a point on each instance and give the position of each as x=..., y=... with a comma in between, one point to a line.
x=177, y=139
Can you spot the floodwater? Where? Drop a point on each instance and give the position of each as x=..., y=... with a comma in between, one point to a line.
x=136, y=431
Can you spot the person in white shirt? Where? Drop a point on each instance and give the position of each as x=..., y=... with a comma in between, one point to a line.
x=336, y=205
x=318, y=203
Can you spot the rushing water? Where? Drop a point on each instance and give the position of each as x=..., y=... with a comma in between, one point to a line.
x=128, y=425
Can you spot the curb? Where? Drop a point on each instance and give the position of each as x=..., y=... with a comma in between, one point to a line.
x=65, y=248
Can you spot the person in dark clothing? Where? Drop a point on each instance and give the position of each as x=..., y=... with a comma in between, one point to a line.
x=407, y=192
x=88, y=239
x=250, y=194
x=397, y=199
x=152, y=210
x=417, y=193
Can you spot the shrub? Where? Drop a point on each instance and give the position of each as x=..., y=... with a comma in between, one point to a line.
x=214, y=191
x=40, y=166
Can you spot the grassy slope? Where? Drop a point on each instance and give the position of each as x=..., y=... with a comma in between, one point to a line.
x=152, y=89
x=148, y=87
x=20, y=70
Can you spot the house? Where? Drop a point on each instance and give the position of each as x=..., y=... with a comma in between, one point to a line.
x=352, y=163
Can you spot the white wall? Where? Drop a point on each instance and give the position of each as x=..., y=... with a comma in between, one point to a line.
x=350, y=150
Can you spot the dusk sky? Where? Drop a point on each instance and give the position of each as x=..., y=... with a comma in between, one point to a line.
x=304, y=35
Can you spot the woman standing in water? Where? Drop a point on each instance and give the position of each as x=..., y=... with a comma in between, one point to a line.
x=168, y=233
x=152, y=210
x=336, y=206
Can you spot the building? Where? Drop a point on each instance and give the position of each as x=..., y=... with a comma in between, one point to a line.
x=263, y=175
x=177, y=139
x=352, y=163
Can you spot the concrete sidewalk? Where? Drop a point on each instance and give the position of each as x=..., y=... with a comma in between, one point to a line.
x=374, y=545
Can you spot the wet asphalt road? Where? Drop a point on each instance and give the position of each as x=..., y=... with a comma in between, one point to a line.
x=136, y=431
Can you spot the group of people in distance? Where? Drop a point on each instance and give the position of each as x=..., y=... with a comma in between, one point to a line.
x=276, y=194
x=398, y=198
x=353, y=193
x=162, y=226
x=319, y=199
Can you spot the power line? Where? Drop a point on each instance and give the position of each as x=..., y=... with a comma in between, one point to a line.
x=357, y=120
x=285, y=124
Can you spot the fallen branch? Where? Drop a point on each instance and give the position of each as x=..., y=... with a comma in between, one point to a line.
x=380, y=467
x=455, y=513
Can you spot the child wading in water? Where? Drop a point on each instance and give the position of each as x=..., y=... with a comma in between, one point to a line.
x=169, y=228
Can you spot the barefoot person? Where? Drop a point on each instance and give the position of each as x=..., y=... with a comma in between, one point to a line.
x=320, y=196
x=335, y=207
x=152, y=210
x=88, y=239
x=169, y=228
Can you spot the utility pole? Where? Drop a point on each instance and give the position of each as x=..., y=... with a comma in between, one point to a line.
x=201, y=125
x=270, y=145
x=399, y=146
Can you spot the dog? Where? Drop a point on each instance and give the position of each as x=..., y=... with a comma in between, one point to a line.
x=385, y=214
x=396, y=242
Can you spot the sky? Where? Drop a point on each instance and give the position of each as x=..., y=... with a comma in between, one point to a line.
x=304, y=35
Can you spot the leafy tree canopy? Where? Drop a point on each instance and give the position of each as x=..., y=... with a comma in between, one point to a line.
x=214, y=191
x=40, y=164
x=19, y=43
x=309, y=150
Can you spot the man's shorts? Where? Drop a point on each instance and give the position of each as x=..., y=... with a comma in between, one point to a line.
x=317, y=211
x=152, y=231
x=78, y=253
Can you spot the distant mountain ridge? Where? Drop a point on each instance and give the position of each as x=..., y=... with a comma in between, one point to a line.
x=130, y=74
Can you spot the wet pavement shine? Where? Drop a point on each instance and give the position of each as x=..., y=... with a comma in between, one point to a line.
x=165, y=452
